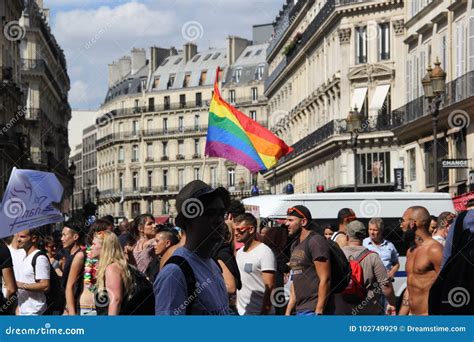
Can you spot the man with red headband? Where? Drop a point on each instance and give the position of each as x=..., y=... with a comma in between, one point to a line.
x=310, y=265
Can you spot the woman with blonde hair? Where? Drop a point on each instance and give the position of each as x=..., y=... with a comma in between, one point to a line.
x=114, y=279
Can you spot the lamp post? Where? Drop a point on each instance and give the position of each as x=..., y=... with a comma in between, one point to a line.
x=354, y=123
x=434, y=84
x=242, y=185
x=97, y=197
x=72, y=173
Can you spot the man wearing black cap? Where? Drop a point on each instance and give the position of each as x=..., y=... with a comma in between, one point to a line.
x=191, y=282
x=310, y=266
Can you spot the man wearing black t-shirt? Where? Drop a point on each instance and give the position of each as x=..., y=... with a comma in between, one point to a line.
x=7, y=278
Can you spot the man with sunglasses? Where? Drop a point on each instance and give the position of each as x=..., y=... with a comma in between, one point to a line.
x=257, y=266
x=310, y=265
x=423, y=261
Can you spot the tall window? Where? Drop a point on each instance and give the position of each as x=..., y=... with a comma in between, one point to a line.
x=375, y=168
x=165, y=180
x=361, y=44
x=181, y=147
x=181, y=124
x=150, y=207
x=165, y=125
x=149, y=125
x=180, y=179
x=136, y=209
x=182, y=101
x=167, y=103
x=171, y=81
x=196, y=173
x=203, y=77
x=135, y=181
x=135, y=153
x=196, y=122
x=196, y=146
x=237, y=75
x=149, y=151
x=430, y=163
x=213, y=177
x=121, y=181
x=253, y=115
x=231, y=177
x=259, y=72
x=151, y=104
x=135, y=127
x=121, y=155
x=232, y=96
x=254, y=94
x=166, y=207
x=198, y=99
x=156, y=82
x=165, y=149
x=187, y=79
x=384, y=41
x=411, y=165
x=150, y=180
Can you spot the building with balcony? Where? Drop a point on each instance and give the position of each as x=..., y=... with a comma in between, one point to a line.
x=46, y=85
x=152, y=125
x=442, y=30
x=325, y=59
x=77, y=203
x=13, y=143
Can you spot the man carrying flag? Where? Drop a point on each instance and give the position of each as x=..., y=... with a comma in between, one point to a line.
x=234, y=136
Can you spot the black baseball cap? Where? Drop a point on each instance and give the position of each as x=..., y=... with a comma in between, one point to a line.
x=197, y=189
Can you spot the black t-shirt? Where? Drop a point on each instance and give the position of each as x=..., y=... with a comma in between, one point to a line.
x=5, y=262
x=79, y=285
x=226, y=254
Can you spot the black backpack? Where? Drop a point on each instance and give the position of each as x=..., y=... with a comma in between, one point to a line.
x=189, y=276
x=452, y=292
x=55, y=296
x=142, y=300
x=341, y=272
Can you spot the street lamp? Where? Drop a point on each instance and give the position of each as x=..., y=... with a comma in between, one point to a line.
x=97, y=197
x=434, y=84
x=72, y=173
x=242, y=185
x=354, y=123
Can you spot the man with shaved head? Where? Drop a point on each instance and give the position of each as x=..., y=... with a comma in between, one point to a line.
x=423, y=260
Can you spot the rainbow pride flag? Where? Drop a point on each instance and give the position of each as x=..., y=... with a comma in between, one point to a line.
x=234, y=136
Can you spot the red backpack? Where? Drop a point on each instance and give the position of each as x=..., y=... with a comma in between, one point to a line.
x=356, y=292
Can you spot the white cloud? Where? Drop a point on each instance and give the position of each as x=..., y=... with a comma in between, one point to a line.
x=79, y=92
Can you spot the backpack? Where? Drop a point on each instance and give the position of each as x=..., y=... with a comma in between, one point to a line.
x=452, y=292
x=188, y=273
x=340, y=270
x=142, y=300
x=55, y=296
x=356, y=292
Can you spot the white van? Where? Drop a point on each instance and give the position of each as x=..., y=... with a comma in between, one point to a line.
x=390, y=206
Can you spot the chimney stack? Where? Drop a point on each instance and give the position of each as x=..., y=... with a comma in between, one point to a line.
x=125, y=66
x=114, y=74
x=190, y=50
x=235, y=47
x=138, y=59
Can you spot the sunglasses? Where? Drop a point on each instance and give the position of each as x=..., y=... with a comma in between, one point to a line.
x=291, y=211
x=351, y=218
x=240, y=230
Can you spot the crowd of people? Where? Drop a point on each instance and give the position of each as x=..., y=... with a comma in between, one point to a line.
x=218, y=259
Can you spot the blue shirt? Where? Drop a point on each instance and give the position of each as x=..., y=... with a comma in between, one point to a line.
x=386, y=250
x=467, y=224
x=171, y=291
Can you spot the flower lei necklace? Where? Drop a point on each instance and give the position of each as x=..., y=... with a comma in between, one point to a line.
x=90, y=271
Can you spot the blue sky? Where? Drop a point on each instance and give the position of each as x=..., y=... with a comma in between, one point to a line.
x=93, y=33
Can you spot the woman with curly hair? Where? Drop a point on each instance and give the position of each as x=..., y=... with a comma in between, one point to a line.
x=114, y=279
